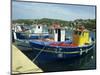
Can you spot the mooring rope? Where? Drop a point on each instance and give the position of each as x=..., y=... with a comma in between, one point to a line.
x=38, y=53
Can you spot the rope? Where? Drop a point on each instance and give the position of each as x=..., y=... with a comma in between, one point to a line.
x=38, y=54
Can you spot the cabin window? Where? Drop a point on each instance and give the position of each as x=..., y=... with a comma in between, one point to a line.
x=56, y=30
x=23, y=28
x=75, y=32
x=38, y=27
x=79, y=33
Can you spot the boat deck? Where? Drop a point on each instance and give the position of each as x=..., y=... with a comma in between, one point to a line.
x=21, y=64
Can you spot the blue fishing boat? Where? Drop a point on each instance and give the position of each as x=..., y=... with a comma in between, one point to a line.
x=35, y=31
x=59, y=47
x=21, y=34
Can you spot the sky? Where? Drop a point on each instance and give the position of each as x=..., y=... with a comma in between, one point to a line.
x=33, y=10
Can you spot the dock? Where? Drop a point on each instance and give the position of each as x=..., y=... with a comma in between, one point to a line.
x=21, y=63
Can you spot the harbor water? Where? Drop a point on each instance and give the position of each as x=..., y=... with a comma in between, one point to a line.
x=85, y=62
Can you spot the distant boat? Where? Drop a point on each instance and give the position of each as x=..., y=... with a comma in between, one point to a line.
x=23, y=33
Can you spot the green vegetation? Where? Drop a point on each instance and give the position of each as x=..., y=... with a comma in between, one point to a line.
x=88, y=23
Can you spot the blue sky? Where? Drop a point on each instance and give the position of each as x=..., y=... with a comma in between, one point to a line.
x=30, y=10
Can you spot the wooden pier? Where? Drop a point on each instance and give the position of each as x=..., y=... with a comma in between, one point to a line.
x=21, y=63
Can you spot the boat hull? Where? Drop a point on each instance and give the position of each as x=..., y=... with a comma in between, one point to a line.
x=45, y=53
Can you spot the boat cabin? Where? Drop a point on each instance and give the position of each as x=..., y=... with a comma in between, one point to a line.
x=81, y=36
x=39, y=28
x=58, y=32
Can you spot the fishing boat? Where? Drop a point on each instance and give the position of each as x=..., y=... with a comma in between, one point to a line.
x=22, y=33
x=30, y=31
x=59, y=47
